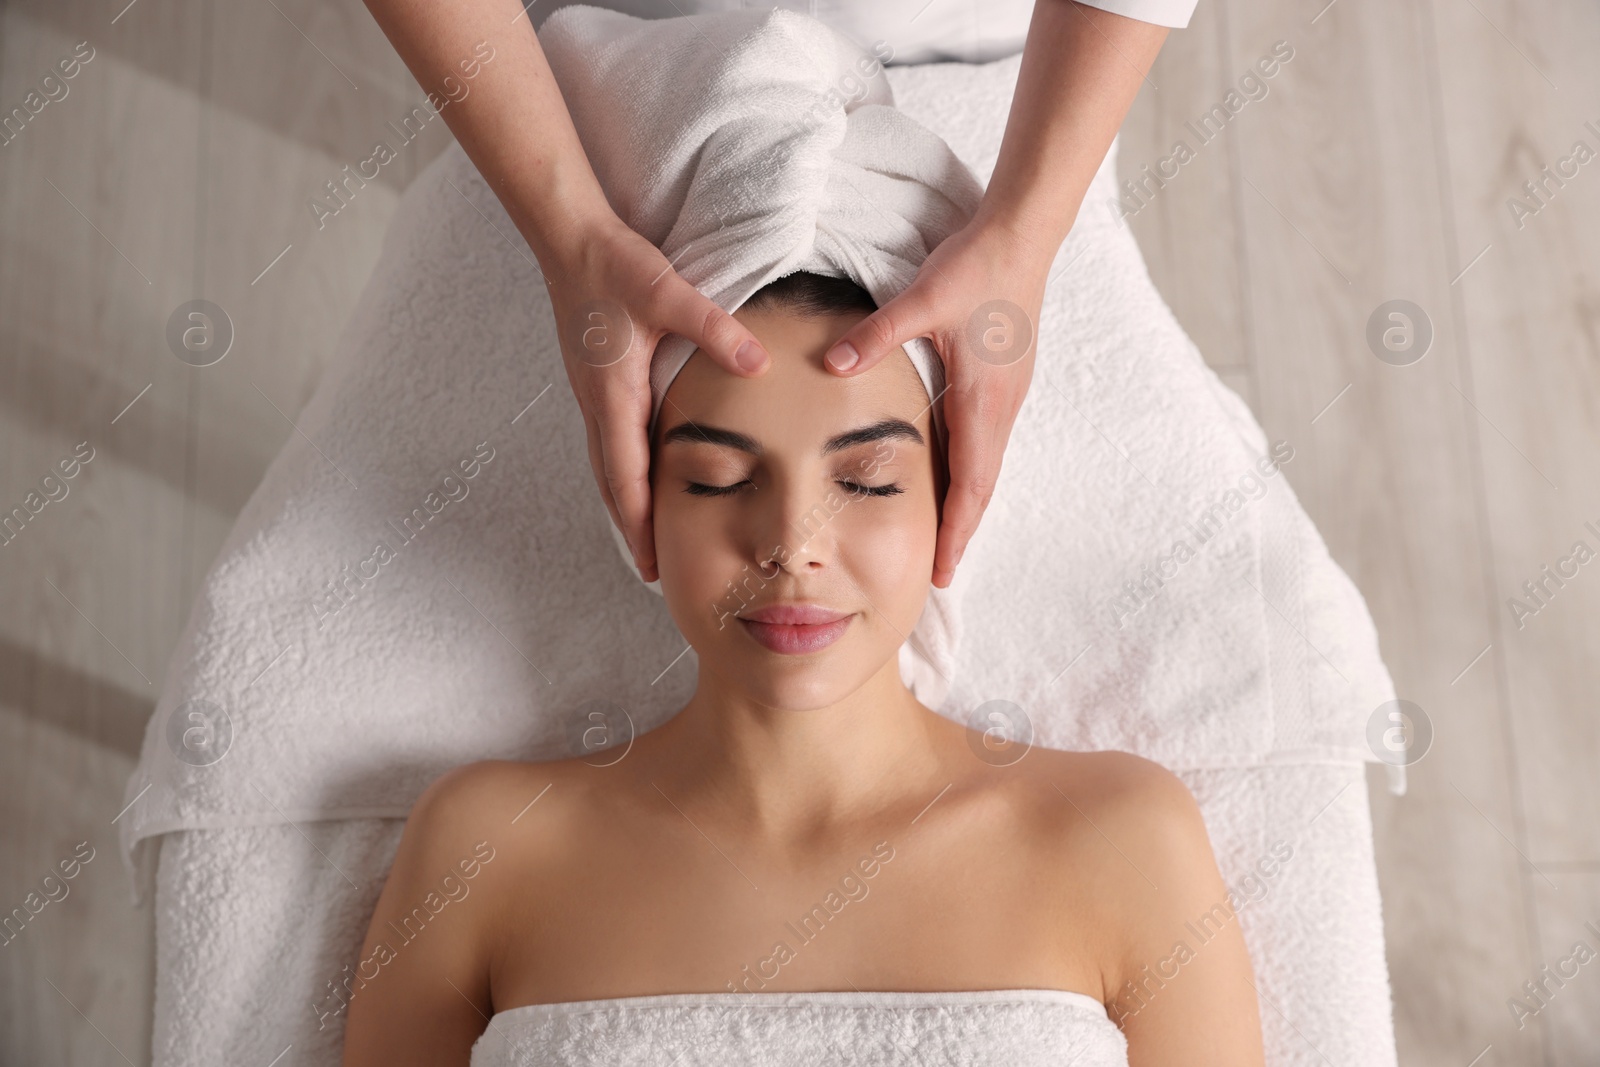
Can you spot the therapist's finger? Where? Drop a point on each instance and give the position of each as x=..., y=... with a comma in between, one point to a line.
x=607, y=366
x=864, y=345
x=978, y=420
x=686, y=311
x=620, y=455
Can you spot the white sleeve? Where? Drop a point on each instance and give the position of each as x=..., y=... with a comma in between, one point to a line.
x=1173, y=13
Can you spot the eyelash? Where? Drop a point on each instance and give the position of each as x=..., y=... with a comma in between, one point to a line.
x=854, y=488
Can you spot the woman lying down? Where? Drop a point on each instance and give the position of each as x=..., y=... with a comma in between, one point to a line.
x=806, y=865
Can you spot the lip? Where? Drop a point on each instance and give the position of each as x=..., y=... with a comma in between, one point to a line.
x=795, y=629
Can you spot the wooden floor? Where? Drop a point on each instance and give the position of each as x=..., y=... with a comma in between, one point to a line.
x=1379, y=163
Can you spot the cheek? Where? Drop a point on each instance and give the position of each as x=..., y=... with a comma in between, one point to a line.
x=887, y=546
x=697, y=561
x=679, y=552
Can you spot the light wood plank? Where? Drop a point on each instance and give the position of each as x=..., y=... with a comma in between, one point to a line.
x=1568, y=1003
x=1518, y=91
x=320, y=74
x=1531, y=309
x=317, y=73
x=97, y=237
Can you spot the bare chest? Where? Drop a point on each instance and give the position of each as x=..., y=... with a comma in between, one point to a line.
x=645, y=910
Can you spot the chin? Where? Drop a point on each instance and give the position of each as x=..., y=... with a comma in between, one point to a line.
x=787, y=683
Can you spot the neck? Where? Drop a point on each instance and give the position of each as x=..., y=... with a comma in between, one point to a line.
x=794, y=774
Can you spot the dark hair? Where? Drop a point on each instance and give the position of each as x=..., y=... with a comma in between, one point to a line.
x=812, y=294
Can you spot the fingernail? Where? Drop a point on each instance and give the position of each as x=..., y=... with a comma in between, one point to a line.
x=844, y=356
x=749, y=356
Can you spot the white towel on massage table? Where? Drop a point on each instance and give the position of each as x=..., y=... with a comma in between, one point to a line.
x=488, y=627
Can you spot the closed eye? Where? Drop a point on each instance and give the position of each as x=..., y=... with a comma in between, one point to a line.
x=892, y=489
x=696, y=489
x=853, y=488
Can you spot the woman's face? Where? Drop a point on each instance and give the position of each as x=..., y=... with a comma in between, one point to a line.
x=795, y=488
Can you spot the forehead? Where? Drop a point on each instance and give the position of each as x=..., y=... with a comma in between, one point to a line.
x=798, y=397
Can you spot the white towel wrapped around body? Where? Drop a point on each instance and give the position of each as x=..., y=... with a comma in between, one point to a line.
x=497, y=612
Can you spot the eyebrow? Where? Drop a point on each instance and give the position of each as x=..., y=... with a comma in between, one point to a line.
x=882, y=430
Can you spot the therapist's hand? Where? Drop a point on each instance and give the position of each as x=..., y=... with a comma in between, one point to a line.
x=615, y=296
x=977, y=299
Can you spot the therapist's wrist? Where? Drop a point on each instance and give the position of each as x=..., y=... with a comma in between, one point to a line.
x=1035, y=233
x=560, y=217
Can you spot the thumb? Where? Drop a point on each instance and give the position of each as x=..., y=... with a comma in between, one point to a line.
x=866, y=343
x=690, y=314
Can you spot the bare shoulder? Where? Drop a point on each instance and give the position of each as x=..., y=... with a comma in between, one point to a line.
x=1150, y=805
x=456, y=826
x=475, y=792
x=1128, y=842
x=1063, y=798
x=489, y=801
x=422, y=988
x=1138, y=821
x=1170, y=948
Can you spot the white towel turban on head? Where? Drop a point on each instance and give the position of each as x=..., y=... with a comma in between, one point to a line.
x=752, y=144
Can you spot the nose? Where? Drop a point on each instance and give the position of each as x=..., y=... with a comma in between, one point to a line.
x=795, y=523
